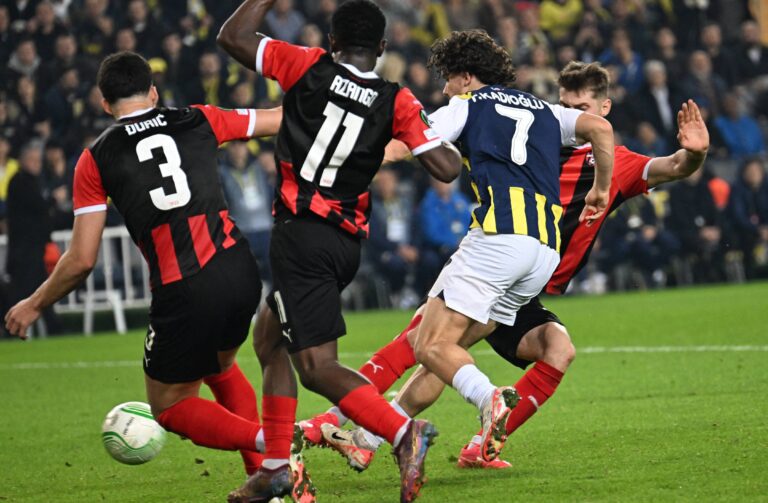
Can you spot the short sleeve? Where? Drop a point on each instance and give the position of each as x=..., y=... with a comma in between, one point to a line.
x=411, y=125
x=567, y=118
x=88, y=193
x=449, y=121
x=229, y=125
x=630, y=171
x=286, y=63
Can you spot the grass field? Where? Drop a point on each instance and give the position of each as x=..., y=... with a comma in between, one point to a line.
x=666, y=401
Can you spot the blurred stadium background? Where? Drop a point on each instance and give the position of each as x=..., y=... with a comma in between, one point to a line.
x=711, y=228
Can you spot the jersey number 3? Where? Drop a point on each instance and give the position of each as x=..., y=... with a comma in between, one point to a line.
x=170, y=168
x=333, y=119
x=524, y=119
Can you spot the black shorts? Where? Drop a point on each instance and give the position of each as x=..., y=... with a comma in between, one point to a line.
x=505, y=339
x=312, y=262
x=191, y=320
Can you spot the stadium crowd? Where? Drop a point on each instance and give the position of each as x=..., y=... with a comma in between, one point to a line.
x=712, y=226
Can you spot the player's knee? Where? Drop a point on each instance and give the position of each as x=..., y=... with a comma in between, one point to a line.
x=559, y=350
x=425, y=350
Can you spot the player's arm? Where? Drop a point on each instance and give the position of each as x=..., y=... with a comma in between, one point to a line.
x=694, y=140
x=242, y=123
x=418, y=135
x=239, y=35
x=599, y=132
x=75, y=265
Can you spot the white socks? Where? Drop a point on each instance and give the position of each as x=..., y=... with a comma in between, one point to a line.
x=339, y=415
x=401, y=432
x=374, y=440
x=274, y=464
x=260, y=445
x=473, y=385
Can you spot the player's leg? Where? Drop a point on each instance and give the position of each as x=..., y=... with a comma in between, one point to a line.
x=383, y=369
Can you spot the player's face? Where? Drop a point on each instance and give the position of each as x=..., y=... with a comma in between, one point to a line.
x=585, y=101
x=455, y=85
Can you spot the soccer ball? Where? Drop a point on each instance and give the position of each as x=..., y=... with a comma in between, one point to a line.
x=131, y=435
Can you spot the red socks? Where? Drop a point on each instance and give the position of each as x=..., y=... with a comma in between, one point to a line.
x=390, y=362
x=233, y=390
x=279, y=415
x=367, y=408
x=535, y=387
x=208, y=424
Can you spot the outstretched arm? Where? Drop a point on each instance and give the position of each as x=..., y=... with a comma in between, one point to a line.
x=443, y=162
x=694, y=140
x=239, y=35
x=75, y=265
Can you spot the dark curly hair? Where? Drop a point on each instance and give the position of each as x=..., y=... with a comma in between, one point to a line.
x=578, y=76
x=358, y=23
x=474, y=52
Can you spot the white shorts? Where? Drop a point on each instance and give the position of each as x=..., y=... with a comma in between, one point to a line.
x=491, y=276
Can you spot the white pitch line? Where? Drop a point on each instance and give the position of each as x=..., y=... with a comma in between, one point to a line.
x=483, y=352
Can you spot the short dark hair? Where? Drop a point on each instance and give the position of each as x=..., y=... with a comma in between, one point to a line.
x=578, y=76
x=358, y=23
x=474, y=52
x=122, y=75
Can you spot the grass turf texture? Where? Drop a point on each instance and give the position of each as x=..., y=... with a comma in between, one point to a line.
x=629, y=426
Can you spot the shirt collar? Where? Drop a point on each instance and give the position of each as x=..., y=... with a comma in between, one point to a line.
x=136, y=113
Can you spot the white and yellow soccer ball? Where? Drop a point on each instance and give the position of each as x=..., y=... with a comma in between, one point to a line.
x=131, y=435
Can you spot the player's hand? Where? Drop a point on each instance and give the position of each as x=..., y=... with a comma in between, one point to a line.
x=20, y=317
x=596, y=204
x=693, y=134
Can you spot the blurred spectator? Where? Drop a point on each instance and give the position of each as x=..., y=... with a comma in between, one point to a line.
x=9, y=128
x=6, y=36
x=629, y=63
x=211, y=87
x=28, y=111
x=169, y=93
x=462, y=15
x=285, y=22
x=701, y=84
x=8, y=168
x=419, y=80
x=748, y=209
x=23, y=63
x=648, y=142
x=666, y=51
x=508, y=34
x=431, y=22
x=66, y=56
x=91, y=122
x=696, y=222
x=95, y=29
x=444, y=216
x=753, y=55
x=125, y=40
x=311, y=36
x=249, y=195
x=45, y=29
x=400, y=41
x=626, y=16
x=560, y=17
x=180, y=59
x=322, y=18
x=658, y=101
x=63, y=101
x=588, y=39
x=724, y=62
x=29, y=228
x=531, y=34
x=632, y=235
x=58, y=183
x=391, y=244
x=541, y=77
x=741, y=133
x=21, y=12
x=145, y=30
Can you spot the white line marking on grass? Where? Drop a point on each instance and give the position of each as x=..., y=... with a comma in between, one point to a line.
x=343, y=356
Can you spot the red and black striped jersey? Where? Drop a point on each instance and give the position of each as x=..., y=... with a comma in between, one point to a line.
x=577, y=173
x=159, y=168
x=336, y=122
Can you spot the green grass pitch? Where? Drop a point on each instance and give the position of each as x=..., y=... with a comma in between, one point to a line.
x=667, y=401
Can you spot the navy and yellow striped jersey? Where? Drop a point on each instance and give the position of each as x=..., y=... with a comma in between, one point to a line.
x=511, y=143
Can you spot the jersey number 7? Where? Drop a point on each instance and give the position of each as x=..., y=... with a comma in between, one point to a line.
x=334, y=116
x=524, y=121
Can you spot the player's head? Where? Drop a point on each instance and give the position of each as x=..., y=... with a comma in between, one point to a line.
x=585, y=87
x=470, y=59
x=358, y=26
x=123, y=77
